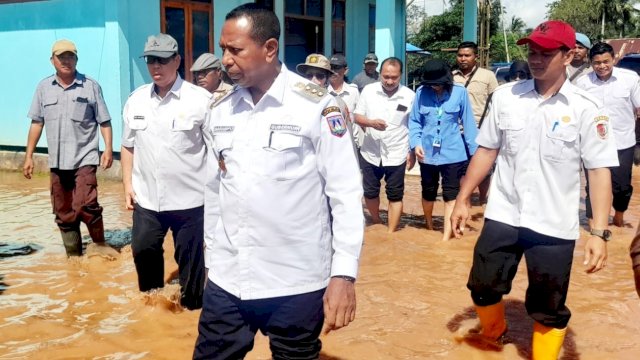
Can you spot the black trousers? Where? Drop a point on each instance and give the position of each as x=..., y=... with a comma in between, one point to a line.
x=148, y=233
x=620, y=182
x=228, y=325
x=495, y=262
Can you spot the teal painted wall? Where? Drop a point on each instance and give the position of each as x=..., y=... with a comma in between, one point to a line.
x=109, y=35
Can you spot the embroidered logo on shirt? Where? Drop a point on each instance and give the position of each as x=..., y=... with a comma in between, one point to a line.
x=566, y=119
x=601, y=118
x=285, y=127
x=336, y=125
x=223, y=129
x=602, y=129
x=329, y=109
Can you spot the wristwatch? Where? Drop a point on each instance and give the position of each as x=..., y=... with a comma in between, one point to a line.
x=603, y=234
x=345, y=277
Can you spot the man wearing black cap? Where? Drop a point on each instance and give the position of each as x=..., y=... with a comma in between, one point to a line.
x=369, y=74
x=540, y=131
x=164, y=172
x=347, y=92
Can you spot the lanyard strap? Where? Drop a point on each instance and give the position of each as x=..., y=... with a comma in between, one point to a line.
x=471, y=76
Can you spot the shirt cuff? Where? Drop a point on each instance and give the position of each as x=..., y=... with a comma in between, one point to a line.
x=344, y=265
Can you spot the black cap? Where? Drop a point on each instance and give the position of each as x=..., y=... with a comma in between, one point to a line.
x=338, y=60
x=436, y=72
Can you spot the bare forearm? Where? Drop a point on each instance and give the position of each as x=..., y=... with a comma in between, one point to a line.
x=35, y=131
x=126, y=162
x=481, y=163
x=107, y=135
x=600, y=194
x=361, y=120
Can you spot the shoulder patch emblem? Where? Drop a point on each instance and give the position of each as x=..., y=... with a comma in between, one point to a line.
x=601, y=118
x=602, y=129
x=329, y=109
x=337, y=125
x=310, y=91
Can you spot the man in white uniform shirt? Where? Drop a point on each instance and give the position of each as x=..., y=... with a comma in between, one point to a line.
x=383, y=110
x=163, y=170
x=347, y=92
x=619, y=91
x=540, y=131
x=286, y=218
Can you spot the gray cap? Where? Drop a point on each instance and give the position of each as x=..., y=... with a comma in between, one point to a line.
x=206, y=61
x=161, y=45
x=371, y=57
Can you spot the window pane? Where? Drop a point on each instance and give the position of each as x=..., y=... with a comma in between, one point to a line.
x=294, y=7
x=372, y=16
x=338, y=10
x=301, y=40
x=175, y=27
x=266, y=3
x=201, y=33
x=338, y=39
x=315, y=7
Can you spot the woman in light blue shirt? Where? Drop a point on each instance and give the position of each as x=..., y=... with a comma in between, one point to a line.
x=434, y=134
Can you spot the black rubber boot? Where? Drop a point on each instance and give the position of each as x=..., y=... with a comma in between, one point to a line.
x=72, y=242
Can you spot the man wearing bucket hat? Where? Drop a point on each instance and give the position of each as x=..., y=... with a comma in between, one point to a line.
x=164, y=171
x=580, y=64
x=208, y=73
x=317, y=69
x=71, y=108
x=369, y=74
x=540, y=131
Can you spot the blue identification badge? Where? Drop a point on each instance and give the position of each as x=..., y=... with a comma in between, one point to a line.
x=436, y=141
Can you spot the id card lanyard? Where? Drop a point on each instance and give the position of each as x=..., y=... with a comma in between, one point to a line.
x=437, y=140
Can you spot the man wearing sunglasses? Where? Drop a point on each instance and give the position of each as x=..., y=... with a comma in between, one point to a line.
x=208, y=73
x=163, y=171
x=71, y=108
x=339, y=87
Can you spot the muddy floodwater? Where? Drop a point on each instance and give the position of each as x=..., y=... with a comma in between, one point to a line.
x=412, y=298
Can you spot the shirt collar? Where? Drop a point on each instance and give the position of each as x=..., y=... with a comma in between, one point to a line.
x=78, y=80
x=380, y=91
x=175, y=88
x=458, y=71
x=613, y=76
x=276, y=90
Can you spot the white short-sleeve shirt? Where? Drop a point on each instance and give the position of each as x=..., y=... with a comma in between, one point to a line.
x=285, y=210
x=169, y=149
x=620, y=96
x=542, y=144
x=391, y=146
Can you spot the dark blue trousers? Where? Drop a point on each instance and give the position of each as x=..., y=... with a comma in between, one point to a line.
x=228, y=325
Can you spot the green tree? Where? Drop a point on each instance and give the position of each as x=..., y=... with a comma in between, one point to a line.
x=612, y=18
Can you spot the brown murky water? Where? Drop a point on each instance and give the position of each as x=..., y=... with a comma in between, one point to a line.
x=412, y=299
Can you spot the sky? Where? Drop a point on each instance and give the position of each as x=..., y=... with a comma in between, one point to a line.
x=532, y=12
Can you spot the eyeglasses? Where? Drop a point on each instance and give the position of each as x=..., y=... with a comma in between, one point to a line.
x=150, y=60
x=318, y=75
x=337, y=67
x=202, y=73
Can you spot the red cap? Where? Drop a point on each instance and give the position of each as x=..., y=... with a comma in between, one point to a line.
x=552, y=34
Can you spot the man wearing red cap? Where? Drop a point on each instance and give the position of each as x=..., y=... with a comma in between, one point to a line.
x=538, y=132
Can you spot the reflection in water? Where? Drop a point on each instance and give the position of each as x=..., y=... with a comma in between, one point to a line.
x=412, y=296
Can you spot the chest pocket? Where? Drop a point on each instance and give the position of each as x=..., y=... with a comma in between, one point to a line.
x=282, y=156
x=185, y=132
x=222, y=142
x=512, y=129
x=83, y=110
x=50, y=108
x=560, y=143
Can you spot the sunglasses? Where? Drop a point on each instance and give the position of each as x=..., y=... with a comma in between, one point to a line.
x=337, y=67
x=318, y=75
x=150, y=60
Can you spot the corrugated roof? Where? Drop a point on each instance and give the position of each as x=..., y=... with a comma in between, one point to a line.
x=621, y=47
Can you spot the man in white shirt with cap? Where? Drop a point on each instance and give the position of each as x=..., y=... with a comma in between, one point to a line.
x=163, y=170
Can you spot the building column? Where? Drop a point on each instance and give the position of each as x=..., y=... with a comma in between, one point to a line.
x=469, y=30
x=390, y=29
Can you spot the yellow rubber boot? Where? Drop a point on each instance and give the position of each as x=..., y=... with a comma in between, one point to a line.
x=492, y=320
x=547, y=342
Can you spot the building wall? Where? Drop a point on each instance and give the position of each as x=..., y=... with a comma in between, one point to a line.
x=109, y=35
